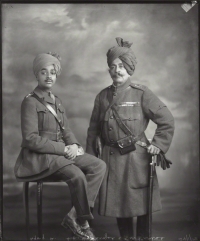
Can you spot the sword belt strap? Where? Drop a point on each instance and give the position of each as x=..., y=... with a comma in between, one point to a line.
x=124, y=128
x=50, y=108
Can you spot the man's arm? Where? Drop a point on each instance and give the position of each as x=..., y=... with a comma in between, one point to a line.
x=158, y=112
x=30, y=132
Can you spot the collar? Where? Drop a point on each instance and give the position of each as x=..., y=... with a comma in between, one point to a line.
x=121, y=87
x=43, y=94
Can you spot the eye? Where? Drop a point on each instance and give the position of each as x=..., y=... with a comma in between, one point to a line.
x=53, y=72
x=43, y=72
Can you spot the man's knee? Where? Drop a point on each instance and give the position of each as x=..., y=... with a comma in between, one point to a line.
x=102, y=166
x=98, y=166
x=79, y=177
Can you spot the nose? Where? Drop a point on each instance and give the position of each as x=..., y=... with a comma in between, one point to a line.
x=117, y=69
x=48, y=75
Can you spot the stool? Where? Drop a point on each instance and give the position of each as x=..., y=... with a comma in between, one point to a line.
x=39, y=205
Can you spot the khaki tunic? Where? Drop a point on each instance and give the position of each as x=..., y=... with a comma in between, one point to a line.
x=43, y=143
x=124, y=189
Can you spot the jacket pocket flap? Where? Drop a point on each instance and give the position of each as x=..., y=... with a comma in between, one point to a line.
x=61, y=108
x=132, y=116
x=124, y=142
x=41, y=109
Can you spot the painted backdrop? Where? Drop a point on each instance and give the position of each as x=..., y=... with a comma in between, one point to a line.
x=165, y=42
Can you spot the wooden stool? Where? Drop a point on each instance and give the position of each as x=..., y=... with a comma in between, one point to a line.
x=39, y=205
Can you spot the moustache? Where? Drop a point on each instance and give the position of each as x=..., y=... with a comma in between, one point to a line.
x=48, y=79
x=118, y=75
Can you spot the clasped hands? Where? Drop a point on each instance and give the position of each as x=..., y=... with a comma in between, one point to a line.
x=71, y=151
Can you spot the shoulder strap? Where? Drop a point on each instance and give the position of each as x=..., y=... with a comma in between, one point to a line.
x=50, y=109
x=138, y=86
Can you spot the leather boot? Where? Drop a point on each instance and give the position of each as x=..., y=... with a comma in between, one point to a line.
x=142, y=227
x=125, y=226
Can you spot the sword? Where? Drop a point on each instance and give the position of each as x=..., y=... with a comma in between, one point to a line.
x=150, y=194
x=150, y=189
x=165, y=163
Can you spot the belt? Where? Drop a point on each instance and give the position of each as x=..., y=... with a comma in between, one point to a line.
x=51, y=135
x=136, y=141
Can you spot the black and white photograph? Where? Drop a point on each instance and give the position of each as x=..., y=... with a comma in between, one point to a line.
x=100, y=121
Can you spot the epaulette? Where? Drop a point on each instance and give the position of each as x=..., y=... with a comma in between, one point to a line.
x=29, y=95
x=138, y=86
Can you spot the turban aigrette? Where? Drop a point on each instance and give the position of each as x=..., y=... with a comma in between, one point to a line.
x=45, y=59
x=124, y=53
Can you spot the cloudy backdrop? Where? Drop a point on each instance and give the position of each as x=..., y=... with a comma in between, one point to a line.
x=165, y=42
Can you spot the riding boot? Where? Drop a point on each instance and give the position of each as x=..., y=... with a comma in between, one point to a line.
x=125, y=226
x=142, y=227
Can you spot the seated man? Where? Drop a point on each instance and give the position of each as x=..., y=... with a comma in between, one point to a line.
x=50, y=149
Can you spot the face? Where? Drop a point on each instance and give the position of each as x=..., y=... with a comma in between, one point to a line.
x=47, y=77
x=118, y=73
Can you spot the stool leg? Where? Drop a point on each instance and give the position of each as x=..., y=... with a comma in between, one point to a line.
x=26, y=205
x=39, y=208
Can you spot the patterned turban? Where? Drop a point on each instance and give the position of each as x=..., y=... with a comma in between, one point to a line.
x=124, y=53
x=43, y=60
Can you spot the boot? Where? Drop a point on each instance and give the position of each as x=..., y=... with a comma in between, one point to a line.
x=125, y=226
x=142, y=227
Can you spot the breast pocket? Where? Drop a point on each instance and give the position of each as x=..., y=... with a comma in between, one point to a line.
x=131, y=116
x=43, y=120
x=61, y=111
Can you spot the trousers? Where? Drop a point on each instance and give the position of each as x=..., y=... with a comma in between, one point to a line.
x=125, y=226
x=84, y=178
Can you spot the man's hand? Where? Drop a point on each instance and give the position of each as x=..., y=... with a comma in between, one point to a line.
x=153, y=150
x=71, y=151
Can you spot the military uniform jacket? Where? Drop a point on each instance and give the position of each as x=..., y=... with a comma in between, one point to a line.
x=43, y=142
x=124, y=189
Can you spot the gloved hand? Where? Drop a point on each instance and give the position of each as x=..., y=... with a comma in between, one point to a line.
x=163, y=161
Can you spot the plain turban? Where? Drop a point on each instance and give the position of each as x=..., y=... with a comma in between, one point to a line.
x=124, y=53
x=43, y=60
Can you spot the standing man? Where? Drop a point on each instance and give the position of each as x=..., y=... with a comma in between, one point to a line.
x=120, y=116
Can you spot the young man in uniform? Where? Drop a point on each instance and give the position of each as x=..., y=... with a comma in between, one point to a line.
x=51, y=151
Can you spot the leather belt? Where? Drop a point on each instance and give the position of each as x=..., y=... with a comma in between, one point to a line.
x=51, y=136
x=136, y=140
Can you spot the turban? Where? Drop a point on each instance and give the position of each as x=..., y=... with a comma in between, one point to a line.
x=124, y=53
x=43, y=60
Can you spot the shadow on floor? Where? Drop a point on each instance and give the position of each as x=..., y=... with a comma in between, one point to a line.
x=178, y=221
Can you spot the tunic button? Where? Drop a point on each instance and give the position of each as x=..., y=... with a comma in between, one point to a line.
x=114, y=94
x=111, y=117
x=112, y=140
x=111, y=152
x=110, y=129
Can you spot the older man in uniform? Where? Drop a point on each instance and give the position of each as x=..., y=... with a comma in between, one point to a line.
x=120, y=116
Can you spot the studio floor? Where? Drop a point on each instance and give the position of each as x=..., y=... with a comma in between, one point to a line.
x=178, y=220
